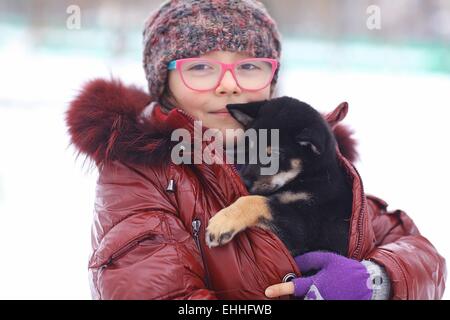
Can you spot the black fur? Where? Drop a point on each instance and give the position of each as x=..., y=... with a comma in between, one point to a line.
x=322, y=222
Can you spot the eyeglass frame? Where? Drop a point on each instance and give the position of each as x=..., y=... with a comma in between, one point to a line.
x=176, y=65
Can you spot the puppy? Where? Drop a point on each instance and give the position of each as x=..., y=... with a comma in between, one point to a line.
x=308, y=202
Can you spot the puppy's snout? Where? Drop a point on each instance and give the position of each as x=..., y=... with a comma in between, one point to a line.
x=248, y=183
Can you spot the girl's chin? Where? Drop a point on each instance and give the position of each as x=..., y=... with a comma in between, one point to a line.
x=223, y=124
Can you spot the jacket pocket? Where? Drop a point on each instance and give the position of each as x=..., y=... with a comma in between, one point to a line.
x=145, y=239
x=147, y=256
x=126, y=235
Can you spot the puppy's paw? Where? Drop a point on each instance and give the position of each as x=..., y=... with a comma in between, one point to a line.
x=223, y=227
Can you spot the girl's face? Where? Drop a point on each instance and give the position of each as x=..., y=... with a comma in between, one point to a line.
x=209, y=106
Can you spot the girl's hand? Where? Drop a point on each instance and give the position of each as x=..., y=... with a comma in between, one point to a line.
x=337, y=278
x=281, y=289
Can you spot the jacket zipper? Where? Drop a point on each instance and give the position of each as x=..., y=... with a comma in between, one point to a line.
x=125, y=249
x=196, y=224
x=360, y=219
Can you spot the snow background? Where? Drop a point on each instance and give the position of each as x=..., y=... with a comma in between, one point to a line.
x=47, y=197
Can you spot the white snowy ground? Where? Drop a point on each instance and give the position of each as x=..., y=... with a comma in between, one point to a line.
x=46, y=197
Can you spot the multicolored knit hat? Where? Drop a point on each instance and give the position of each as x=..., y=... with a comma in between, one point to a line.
x=189, y=28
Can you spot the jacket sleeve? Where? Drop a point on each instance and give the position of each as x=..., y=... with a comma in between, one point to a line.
x=415, y=268
x=141, y=249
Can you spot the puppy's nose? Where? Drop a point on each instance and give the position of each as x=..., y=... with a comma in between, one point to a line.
x=248, y=183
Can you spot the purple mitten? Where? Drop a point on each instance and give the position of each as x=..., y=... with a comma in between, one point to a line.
x=337, y=278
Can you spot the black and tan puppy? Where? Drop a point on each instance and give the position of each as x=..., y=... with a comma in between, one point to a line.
x=308, y=202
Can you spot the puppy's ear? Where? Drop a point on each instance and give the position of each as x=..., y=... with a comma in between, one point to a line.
x=245, y=113
x=311, y=140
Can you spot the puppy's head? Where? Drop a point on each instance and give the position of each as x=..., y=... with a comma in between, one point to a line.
x=303, y=146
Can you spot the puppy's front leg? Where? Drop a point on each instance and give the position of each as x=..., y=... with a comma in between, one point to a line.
x=247, y=211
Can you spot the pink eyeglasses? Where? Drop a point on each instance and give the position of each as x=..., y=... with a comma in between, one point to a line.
x=202, y=74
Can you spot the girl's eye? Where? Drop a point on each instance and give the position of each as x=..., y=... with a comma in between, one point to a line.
x=248, y=66
x=199, y=67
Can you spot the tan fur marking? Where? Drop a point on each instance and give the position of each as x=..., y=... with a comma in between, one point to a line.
x=288, y=196
x=296, y=163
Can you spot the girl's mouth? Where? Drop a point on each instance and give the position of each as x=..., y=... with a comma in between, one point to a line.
x=222, y=112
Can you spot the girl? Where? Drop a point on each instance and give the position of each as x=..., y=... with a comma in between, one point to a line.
x=150, y=213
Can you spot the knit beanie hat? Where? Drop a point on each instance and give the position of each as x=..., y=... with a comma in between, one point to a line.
x=189, y=28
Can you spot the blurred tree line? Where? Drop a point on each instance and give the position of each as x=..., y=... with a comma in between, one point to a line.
x=401, y=20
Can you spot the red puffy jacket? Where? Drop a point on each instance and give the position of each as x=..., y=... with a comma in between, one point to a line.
x=143, y=240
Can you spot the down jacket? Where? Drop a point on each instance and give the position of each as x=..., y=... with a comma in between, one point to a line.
x=150, y=214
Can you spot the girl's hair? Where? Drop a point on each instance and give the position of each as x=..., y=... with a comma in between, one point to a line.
x=167, y=98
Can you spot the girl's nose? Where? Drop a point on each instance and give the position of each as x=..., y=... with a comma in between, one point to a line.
x=228, y=84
